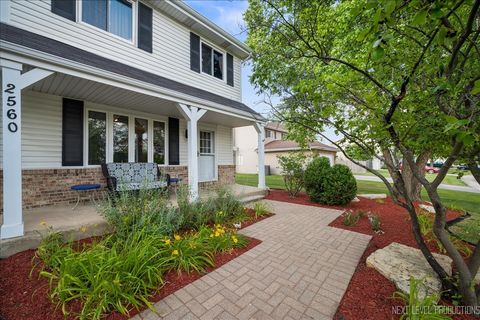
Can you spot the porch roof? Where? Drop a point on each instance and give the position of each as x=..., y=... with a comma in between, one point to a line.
x=47, y=45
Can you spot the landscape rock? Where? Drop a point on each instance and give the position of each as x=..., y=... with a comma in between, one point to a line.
x=373, y=196
x=399, y=262
x=427, y=208
x=356, y=199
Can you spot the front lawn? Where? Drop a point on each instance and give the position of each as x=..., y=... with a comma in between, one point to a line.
x=449, y=179
x=466, y=201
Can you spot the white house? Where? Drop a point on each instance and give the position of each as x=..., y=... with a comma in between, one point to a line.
x=276, y=144
x=91, y=82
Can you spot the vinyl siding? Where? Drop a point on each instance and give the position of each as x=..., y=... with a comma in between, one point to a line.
x=171, y=45
x=224, y=145
x=42, y=131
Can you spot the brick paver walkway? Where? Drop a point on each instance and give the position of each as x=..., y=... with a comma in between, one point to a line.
x=300, y=271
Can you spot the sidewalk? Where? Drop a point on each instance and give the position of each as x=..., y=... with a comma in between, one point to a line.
x=441, y=186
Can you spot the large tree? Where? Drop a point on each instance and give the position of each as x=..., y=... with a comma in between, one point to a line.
x=398, y=79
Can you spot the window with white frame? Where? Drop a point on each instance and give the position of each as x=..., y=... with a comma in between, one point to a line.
x=159, y=142
x=120, y=138
x=108, y=135
x=212, y=61
x=206, y=142
x=141, y=140
x=115, y=16
x=97, y=137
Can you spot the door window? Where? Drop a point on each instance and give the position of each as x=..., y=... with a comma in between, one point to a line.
x=206, y=142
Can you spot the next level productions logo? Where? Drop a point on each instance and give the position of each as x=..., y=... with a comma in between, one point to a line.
x=436, y=310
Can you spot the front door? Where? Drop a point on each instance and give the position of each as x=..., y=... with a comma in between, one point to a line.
x=206, y=158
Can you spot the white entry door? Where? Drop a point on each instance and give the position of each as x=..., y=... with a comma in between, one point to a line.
x=206, y=158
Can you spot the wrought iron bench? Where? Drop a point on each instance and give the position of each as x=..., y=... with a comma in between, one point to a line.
x=132, y=176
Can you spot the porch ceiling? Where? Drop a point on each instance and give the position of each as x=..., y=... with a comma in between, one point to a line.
x=82, y=89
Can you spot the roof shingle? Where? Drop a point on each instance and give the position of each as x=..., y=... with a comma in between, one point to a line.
x=293, y=145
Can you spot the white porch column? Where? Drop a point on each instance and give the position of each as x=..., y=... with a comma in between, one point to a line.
x=192, y=115
x=13, y=81
x=260, y=127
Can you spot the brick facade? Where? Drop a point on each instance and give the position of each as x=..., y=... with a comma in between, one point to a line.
x=42, y=187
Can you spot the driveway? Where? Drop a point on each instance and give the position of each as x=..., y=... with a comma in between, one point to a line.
x=441, y=186
x=300, y=271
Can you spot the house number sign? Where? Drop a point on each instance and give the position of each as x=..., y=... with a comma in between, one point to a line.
x=12, y=126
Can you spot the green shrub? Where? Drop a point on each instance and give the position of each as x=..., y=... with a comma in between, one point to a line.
x=189, y=253
x=375, y=223
x=218, y=239
x=351, y=219
x=292, y=166
x=52, y=251
x=147, y=210
x=261, y=209
x=220, y=208
x=315, y=177
x=339, y=187
x=110, y=274
x=226, y=202
x=418, y=308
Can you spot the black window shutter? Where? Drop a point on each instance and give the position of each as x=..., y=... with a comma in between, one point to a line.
x=194, y=52
x=72, y=133
x=65, y=8
x=173, y=141
x=145, y=27
x=229, y=69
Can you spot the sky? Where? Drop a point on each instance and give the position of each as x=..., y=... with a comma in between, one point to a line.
x=229, y=16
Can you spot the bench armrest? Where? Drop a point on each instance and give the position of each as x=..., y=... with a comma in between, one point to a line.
x=112, y=183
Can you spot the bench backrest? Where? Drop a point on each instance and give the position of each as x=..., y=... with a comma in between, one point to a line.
x=133, y=171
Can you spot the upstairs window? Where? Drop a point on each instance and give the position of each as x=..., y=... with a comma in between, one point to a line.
x=212, y=61
x=115, y=16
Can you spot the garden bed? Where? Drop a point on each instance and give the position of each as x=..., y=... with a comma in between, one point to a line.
x=154, y=250
x=369, y=294
x=27, y=297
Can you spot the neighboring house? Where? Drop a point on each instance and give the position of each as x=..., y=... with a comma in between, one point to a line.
x=89, y=82
x=246, y=154
x=373, y=163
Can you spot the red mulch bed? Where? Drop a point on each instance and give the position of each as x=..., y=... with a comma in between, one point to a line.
x=369, y=294
x=25, y=297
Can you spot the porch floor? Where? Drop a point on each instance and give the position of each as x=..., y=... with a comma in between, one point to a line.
x=84, y=221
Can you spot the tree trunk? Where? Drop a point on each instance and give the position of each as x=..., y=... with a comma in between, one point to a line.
x=412, y=185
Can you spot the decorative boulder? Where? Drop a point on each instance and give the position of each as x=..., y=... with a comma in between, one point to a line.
x=373, y=196
x=399, y=262
x=427, y=208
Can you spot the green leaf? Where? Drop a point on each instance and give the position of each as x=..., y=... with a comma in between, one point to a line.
x=420, y=18
x=466, y=138
x=390, y=7
x=378, y=52
x=451, y=119
x=441, y=35
x=476, y=87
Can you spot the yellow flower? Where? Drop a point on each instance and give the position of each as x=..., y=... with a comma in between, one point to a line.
x=43, y=223
x=217, y=234
x=175, y=252
x=235, y=240
x=177, y=237
x=83, y=229
x=168, y=242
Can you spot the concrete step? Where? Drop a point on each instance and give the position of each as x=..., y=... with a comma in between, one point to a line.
x=253, y=198
x=32, y=239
